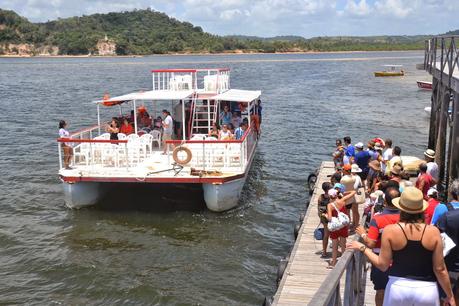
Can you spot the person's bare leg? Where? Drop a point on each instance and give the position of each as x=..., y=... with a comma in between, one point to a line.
x=325, y=240
x=342, y=244
x=66, y=156
x=379, y=297
x=355, y=214
x=334, y=252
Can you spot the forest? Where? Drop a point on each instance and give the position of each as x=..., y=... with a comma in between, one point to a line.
x=144, y=32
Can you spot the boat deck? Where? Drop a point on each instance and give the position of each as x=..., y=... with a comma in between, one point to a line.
x=155, y=166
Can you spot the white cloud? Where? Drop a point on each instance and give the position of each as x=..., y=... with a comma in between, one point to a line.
x=359, y=9
x=396, y=8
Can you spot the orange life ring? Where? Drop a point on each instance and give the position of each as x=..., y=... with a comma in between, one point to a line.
x=179, y=160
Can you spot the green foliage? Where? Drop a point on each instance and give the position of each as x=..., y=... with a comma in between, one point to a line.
x=150, y=32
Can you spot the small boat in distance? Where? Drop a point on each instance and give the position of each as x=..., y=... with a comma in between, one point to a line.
x=391, y=70
x=424, y=85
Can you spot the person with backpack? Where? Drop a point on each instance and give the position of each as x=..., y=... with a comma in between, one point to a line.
x=448, y=223
x=441, y=208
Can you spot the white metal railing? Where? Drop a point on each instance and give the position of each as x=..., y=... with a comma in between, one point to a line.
x=220, y=155
x=209, y=154
x=206, y=80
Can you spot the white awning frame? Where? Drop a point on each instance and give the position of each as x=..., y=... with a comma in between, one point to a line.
x=152, y=95
x=238, y=95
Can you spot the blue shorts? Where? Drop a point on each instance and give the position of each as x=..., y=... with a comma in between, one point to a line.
x=379, y=278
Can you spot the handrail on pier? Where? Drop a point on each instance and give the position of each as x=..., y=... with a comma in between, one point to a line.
x=329, y=294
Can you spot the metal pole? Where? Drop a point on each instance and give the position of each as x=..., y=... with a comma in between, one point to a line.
x=59, y=149
x=453, y=172
x=98, y=116
x=135, y=119
x=183, y=120
x=441, y=133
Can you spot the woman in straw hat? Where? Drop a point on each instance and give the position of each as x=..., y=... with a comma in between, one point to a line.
x=414, y=251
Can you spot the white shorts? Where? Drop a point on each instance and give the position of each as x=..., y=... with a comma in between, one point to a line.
x=408, y=292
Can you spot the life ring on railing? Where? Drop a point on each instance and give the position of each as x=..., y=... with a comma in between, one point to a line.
x=182, y=161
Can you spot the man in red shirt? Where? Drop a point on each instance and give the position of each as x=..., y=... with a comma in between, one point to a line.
x=372, y=239
x=424, y=181
x=432, y=195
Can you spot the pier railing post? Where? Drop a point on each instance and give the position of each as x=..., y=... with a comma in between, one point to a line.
x=453, y=165
x=440, y=148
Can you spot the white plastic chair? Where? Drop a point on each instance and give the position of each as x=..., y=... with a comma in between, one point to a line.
x=156, y=137
x=82, y=150
x=145, y=142
x=133, y=149
x=121, y=136
x=132, y=137
x=109, y=154
x=105, y=136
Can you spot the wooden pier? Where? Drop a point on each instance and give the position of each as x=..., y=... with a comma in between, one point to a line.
x=306, y=281
x=306, y=274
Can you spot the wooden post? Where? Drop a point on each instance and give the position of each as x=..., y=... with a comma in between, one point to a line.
x=453, y=168
x=440, y=149
x=433, y=114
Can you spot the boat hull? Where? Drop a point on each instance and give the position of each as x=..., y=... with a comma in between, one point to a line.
x=83, y=194
x=424, y=85
x=221, y=197
x=388, y=74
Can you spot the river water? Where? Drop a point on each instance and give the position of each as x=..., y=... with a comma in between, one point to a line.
x=141, y=254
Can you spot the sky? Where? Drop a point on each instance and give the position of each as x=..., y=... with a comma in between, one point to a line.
x=265, y=18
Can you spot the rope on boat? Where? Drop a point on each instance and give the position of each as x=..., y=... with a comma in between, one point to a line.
x=177, y=168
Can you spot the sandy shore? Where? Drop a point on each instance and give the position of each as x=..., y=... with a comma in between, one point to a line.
x=236, y=52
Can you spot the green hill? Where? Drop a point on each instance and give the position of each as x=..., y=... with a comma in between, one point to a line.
x=141, y=32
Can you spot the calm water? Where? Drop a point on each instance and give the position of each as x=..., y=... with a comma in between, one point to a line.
x=137, y=253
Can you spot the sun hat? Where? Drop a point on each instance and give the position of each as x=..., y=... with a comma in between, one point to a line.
x=355, y=168
x=359, y=145
x=431, y=191
x=396, y=169
x=333, y=193
x=340, y=187
x=347, y=167
x=429, y=153
x=411, y=201
x=375, y=165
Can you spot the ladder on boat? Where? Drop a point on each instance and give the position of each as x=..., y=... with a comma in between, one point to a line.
x=204, y=115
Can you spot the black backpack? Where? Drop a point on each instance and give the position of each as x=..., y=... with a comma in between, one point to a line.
x=449, y=224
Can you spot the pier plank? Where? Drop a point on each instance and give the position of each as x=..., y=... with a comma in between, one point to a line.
x=306, y=271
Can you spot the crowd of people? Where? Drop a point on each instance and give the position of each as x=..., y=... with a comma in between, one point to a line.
x=405, y=218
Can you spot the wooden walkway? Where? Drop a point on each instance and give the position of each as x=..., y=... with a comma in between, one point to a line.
x=306, y=271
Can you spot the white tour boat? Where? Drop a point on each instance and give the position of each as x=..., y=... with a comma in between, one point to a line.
x=196, y=95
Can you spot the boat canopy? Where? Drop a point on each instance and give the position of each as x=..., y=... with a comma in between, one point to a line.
x=237, y=95
x=151, y=95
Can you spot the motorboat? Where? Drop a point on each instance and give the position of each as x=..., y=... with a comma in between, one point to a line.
x=390, y=70
x=195, y=97
x=424, y=85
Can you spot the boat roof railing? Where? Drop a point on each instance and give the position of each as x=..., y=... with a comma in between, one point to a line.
x=211, y=80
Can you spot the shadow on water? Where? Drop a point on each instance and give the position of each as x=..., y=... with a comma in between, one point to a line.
x=152, y=197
